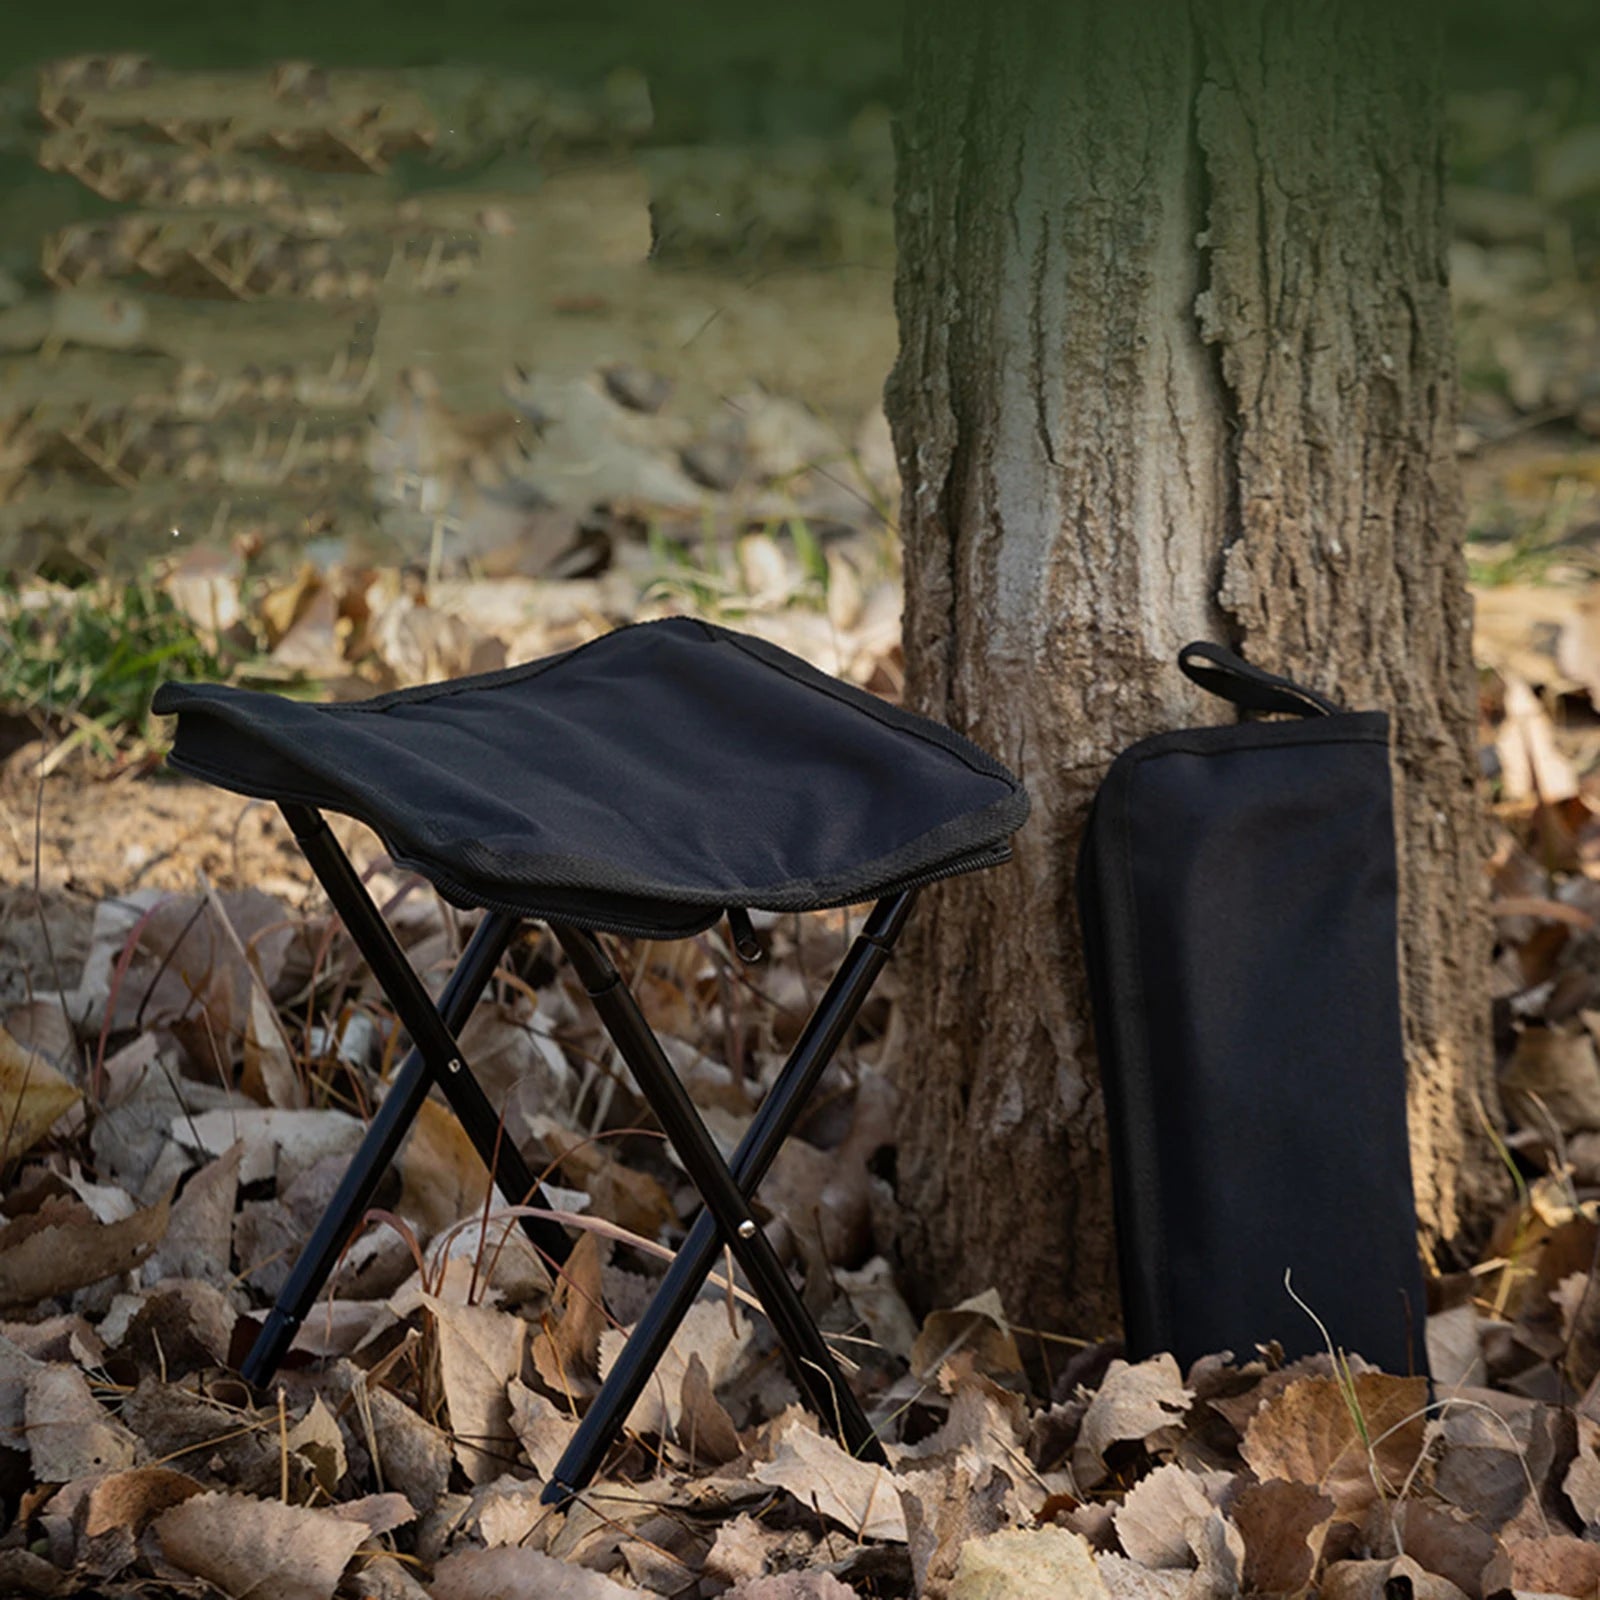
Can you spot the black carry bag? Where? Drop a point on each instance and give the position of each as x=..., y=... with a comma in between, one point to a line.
x=1237, y=892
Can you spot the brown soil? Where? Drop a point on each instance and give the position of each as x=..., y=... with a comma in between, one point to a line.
x=76, y=840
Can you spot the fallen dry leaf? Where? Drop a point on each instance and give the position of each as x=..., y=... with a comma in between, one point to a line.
x=516, y=1571
x=1553, y=1077
x=793, y=1586
x=1309, y=1434
x=172, y=1420
x=413, y=1456
x=1436, y=1538
x=480, y=1351
x=878, y=1302
x=269, y=1071
x=377, y=1513
x=33, y=1096
x=1381, y=1580
x=566, y=1352
x=545, y=1432
x=277, y=1144
x=381, y=1577
x=133, y=1499
x=946, y=1507
x=1284, y=1526
x=705, y=1429
x=1153, y=1521
x=506, y=1512
x=1494, y=1455
x=42, y=1027
x=740, y=1550
x=180, y=1324
x=633, y=1200
x=1578, y=644
x=1219, y=1550
x=443, y=1175
x=132, y=1138
x=1133, y=1402
x=61, y=1247
x=16, y=1369
x=1511, y=626
x=859, y=1495
x=24, y=1574
x=1020, y=1564
x=1559, y=1564
x=70, y=1434
x=1582, y=1482
x=198, y=1241
x=704, y=1332
x=259, y=1549
x=1531, y=764
x=1455, y=1350
x=985, y=1422
x=316, y=1439
x=977, y=1325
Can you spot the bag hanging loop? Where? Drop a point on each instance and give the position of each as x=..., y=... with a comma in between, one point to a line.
x=1220, y=672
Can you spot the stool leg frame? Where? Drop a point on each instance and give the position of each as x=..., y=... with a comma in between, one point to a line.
x=720, y=1219
x=434, y=1058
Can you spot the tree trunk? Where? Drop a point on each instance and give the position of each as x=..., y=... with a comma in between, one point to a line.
x=1176, y=362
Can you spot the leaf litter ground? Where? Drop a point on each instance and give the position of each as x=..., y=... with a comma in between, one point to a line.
x=186, y=1065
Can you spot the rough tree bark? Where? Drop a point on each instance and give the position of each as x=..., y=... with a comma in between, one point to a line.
x=1176, y=363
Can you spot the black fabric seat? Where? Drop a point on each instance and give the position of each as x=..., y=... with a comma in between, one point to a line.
x=640, y=784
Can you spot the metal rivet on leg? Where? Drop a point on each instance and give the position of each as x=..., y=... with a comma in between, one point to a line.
x=747, y=1229
x=453, y=1064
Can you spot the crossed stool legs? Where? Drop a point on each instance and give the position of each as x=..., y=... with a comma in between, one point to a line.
x=435, y=1058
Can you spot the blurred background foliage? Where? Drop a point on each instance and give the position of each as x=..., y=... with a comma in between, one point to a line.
x=373, y=340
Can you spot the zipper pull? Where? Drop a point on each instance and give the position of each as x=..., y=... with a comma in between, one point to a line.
x=1221, y=672
x=743, y=933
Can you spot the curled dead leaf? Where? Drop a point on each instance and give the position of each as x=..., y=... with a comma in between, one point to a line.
x=978, y=1325
x=1154, y=1521
x=1381, y=1580
x=706, y=1429
x=135, y=1498
x=33, y=1096
x=61, y=1247
x=567, y=1350
x=1132, y=1403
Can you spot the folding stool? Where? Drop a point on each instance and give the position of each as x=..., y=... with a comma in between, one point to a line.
x=646, y=784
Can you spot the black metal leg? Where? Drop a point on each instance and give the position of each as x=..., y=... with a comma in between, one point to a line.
x=408, y=1090
x=771, y=1125
x=432, y=1032
x=349, y=1204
